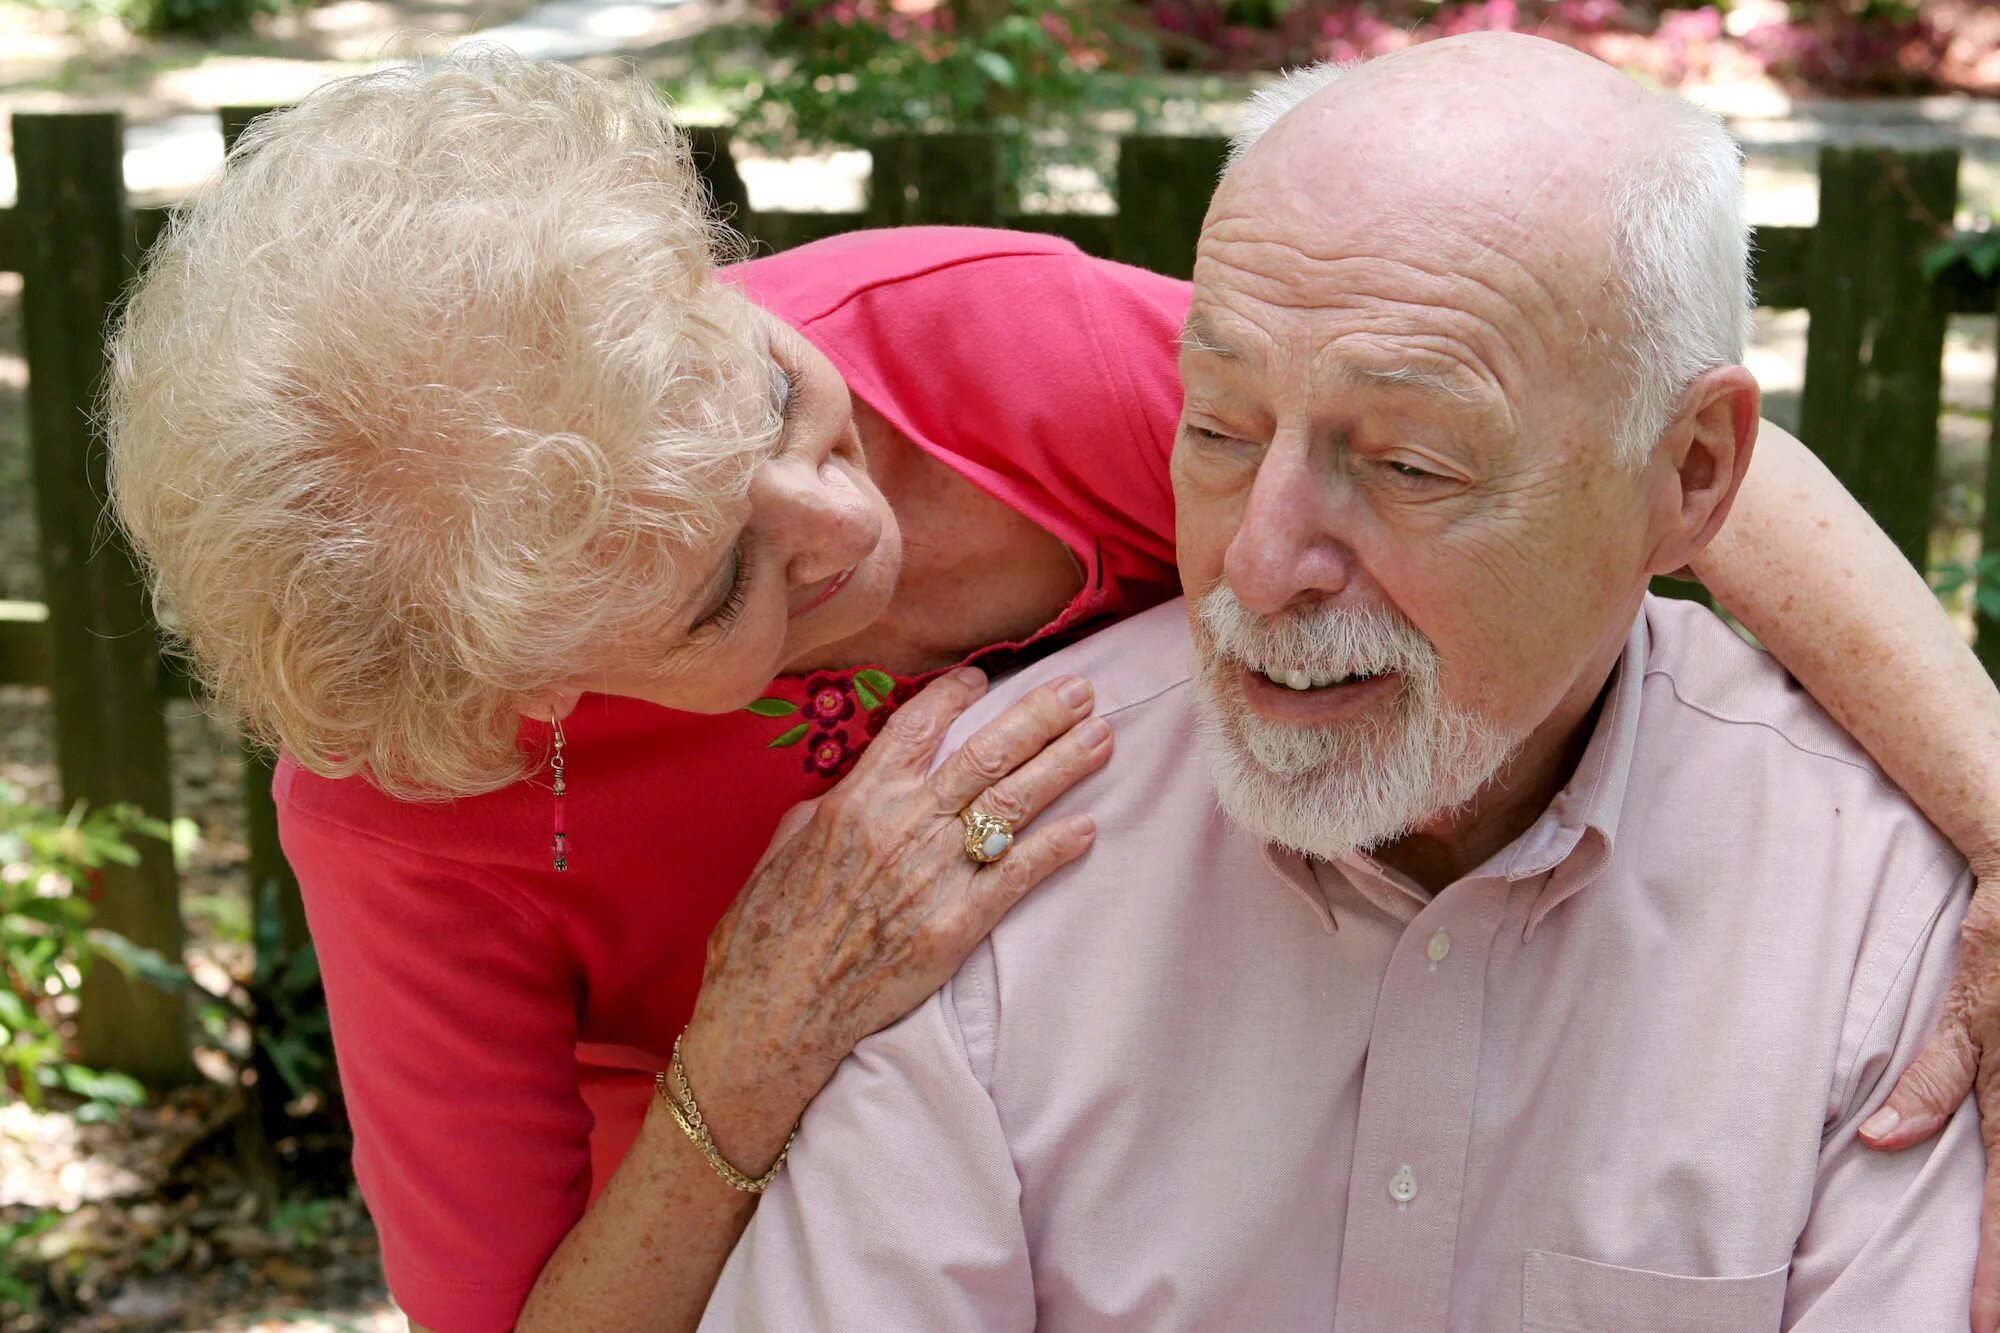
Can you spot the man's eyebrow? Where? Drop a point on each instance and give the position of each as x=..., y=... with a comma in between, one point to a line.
x=1428, y=380
x=1197, y=336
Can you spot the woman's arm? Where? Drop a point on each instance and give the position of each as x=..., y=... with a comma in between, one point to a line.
x=864, y=904
x=1811, y=575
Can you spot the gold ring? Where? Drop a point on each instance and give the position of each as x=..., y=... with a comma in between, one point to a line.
x=987, y=837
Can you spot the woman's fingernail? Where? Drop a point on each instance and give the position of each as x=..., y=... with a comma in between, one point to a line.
x=1075, y=692
x=1882, y=1123
x=972, y=676
x=1083, y=826
x=1093, y=733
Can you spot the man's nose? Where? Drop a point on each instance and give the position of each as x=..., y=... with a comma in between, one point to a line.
x=1286, y=551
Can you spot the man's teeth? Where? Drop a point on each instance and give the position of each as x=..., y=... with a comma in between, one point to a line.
x=1308, y=680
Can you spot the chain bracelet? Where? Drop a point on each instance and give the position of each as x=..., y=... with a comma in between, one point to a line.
x=672, y=1086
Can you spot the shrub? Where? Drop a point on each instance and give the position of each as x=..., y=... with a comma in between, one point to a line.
x=48, y=866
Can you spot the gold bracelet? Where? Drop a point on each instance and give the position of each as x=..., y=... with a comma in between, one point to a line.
x=679, y=1098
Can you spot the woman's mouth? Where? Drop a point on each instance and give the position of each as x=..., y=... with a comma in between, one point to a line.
x=827, y=590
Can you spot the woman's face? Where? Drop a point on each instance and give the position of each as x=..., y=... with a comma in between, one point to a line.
x=814, y=560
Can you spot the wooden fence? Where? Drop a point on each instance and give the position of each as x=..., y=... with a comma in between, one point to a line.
x=1872, y=394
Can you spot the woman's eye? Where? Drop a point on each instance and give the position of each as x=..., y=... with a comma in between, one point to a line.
x=789, y=386
x=718, y=620
x=1411, y=472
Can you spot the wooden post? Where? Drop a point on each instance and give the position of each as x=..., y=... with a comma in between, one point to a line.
x=267, y=864
x=236, y=119
x=1987, y=642
x=923, y=179
x=1164, y=184
x=111, y=742
x=1875, y=344
x=716, y=164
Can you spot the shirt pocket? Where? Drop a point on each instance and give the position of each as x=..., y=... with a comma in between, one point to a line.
x=1561, y=1294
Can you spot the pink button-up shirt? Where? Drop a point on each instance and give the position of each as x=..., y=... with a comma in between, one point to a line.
x=1609, y=1081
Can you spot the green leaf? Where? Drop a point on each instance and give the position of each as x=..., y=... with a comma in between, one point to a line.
x=1946, y=579
x=107, y=1086
x=772, y=707
x=1941, y=258
x=13, y=1012
x=792, y=737
x=881, y=682
x=1985, y=258
x=997, y=68
x=136, y=960
x=865, y=695
x=1987, y=599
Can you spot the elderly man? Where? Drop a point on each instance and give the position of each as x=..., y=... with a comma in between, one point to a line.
x=1490, y=1004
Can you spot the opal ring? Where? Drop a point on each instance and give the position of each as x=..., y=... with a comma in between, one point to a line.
x=987, y=837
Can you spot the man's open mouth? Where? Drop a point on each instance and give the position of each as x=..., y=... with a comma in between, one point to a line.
x=1314, y=680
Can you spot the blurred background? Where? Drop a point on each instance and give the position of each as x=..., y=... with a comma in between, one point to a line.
x=172, y=1150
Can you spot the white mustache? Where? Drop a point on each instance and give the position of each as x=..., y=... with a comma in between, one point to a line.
x=1327, y=640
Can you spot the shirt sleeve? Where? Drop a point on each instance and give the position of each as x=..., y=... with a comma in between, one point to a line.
x=899, y=1207
x=1893, y=1237
x=454, y=1024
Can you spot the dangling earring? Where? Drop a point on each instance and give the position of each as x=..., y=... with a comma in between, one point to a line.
x=561, y=847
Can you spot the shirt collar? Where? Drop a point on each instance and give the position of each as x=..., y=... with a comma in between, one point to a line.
x=1571, y=842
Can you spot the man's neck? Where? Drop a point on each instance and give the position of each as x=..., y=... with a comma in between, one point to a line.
x=1444, y=850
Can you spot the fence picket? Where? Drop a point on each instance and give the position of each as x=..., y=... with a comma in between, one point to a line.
x=929, y=179
x=77, y=243
x=1875, y=342
x=266, y=864
x=1164, y=186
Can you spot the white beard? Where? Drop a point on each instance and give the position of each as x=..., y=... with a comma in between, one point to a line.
x=1330, y=790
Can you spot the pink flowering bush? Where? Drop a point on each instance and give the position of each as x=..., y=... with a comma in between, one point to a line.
x=1828, y=45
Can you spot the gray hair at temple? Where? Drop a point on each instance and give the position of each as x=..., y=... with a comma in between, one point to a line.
x=1680, y=242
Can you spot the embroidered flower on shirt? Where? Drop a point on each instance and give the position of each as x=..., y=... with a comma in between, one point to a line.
x=826, y=722
x=829, y=755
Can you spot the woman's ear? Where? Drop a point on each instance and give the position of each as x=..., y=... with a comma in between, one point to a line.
x=1701, y=459
x=557, y=702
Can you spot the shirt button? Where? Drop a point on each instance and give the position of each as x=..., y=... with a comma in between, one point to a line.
x=1403, y=1185
x=1440, y=946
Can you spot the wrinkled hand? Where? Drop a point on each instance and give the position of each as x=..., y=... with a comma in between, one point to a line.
x=866, y=902
x=1962, y=1056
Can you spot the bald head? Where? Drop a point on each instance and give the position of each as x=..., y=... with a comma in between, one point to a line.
x=1617, y=209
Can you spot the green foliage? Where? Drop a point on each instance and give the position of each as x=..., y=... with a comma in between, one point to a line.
x=300, y=1221
x=281, y=1005
x=1984, y=576
x=844, y=72
x=205, y=19
x=47, y=865
x=14, y=1237
x=1977, y=250
x=193, y=18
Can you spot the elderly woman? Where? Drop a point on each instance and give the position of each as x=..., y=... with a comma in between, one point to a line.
x=609, y=606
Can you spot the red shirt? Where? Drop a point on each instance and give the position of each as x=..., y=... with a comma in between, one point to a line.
x=498, y=1023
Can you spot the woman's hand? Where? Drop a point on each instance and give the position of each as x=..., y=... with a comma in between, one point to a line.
x=866, y=902
x=1962, y=1056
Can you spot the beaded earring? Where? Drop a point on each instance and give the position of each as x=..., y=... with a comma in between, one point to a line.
x=561, y=847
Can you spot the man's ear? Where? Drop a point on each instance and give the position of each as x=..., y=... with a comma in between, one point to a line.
x=558, y=701
x=1700, y=462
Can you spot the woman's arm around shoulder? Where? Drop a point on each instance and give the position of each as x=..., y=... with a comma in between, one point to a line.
x=1806, y=570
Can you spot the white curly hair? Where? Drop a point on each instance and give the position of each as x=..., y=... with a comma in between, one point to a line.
x=416, y=405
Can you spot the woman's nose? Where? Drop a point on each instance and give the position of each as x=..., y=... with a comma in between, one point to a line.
x=827, y=522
